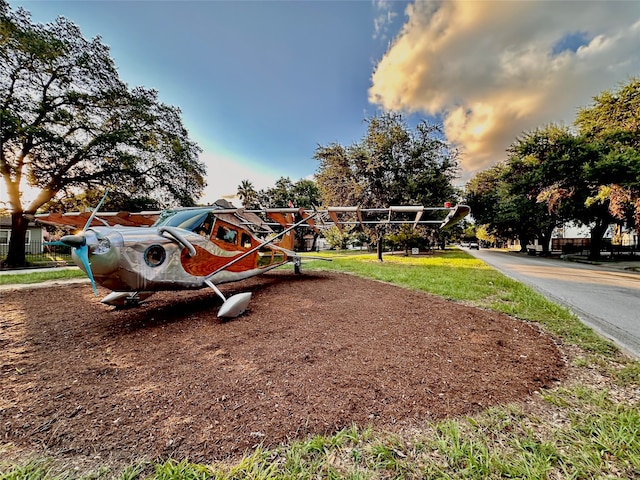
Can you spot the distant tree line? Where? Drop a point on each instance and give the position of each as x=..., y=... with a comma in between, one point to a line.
x=588, y=175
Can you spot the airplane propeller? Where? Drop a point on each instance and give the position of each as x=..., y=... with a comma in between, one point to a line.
x=82, y=251
x=80, y=246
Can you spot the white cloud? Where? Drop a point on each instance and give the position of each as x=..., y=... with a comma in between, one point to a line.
x=224, y=174
x=492, y=70
x=386, y=15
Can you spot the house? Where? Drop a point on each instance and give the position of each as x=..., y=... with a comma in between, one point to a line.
x=571, y=238
x=33, y=241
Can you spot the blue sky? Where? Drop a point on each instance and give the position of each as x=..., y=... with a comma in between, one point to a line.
x=262, y=83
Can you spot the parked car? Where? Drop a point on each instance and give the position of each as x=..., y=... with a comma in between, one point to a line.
x=474, y=245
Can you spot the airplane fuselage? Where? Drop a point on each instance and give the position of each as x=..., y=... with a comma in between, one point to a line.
x=171, y=257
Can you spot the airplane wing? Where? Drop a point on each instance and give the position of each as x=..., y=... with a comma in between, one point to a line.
x=264, y=219
x=110, y=219
x=454, y=216
x=439, y=217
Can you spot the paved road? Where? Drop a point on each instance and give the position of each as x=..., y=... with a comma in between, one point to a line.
x=607, y=299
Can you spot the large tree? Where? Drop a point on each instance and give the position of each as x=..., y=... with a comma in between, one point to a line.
x=494, y=207
x=392, y=165
x=564, y=179
x=546, y=180
x=612, y=125
x=68, y=124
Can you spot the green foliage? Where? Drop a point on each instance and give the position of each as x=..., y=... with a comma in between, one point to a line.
x=406, y=237
x=391, y=165
x=543, y=183
x=69, y=124
x=614, y=114
x=483, y=234
x=115, y=201
x=612, y=123
x=302, y=194
x=338, y=239
x=248, y=195
x=34, y=470
x=183, y=470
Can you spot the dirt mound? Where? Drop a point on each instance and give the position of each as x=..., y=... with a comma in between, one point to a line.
x=313, y=354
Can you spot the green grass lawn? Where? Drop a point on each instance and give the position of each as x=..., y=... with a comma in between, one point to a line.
x=41, y=276
x=583, y=430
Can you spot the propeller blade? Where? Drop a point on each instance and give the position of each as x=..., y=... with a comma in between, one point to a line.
x=83, y=254
x=95, y=211
x=79, y=244
x=55, y=243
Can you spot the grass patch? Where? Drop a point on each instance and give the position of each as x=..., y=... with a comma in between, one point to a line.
x=41, y=276
x=591, y=437
x=628, y=375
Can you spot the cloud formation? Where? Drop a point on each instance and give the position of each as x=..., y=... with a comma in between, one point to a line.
x=496, y=69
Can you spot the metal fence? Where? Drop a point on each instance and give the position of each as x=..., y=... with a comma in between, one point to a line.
x=41, y=254
x=582, y=245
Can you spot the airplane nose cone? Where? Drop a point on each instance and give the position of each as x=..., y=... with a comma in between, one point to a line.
x=75, y=241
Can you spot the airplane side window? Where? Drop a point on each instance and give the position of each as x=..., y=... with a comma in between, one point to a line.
x=226, y=234
x=246, y=241
x=231, y=236
x=220, y=234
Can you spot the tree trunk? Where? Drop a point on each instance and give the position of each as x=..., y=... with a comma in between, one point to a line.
x=545, y=238
x=379, y=248
x=597, y=232
x=524, y=241
x=16, y=254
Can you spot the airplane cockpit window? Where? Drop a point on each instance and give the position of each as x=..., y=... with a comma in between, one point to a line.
x=204, y=229
x=186, y=219
x=226, y=234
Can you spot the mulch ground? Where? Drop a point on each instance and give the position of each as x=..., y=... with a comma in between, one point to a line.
x=313, y=354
